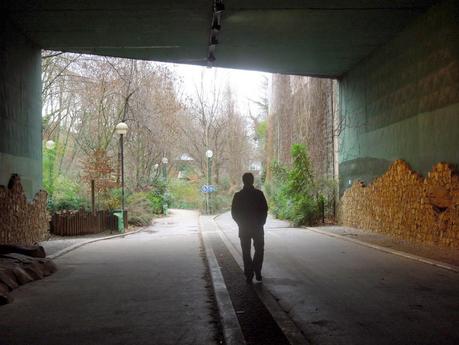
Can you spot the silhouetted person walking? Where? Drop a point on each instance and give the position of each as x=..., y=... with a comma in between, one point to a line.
x=249, y=209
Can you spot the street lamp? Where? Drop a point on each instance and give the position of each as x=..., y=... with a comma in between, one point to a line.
x=165, y=205
x=165, y=161
x=209, y=155
x=156, y=171
x=50, y=145
x=121, y=129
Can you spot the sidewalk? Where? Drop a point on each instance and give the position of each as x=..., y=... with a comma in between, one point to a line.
x=56, y=243
x=151, y=287
x=447, y=255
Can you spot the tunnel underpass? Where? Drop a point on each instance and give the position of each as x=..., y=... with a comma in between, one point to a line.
x=395, y=66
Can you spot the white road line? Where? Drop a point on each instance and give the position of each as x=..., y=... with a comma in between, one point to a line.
x=230, y=323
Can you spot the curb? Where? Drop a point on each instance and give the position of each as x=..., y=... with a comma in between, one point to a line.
x=78, y=245
x=230, y=324
x=417, y=258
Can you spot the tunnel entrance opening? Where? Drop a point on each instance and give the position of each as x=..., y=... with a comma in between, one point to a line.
x=396, y=101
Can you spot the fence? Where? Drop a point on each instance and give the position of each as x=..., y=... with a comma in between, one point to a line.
x=74, y=223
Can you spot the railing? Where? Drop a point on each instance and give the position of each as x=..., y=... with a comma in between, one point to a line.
x=75, y=223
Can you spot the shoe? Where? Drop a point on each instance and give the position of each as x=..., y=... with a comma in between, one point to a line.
x=258, y=277
x=249, y=278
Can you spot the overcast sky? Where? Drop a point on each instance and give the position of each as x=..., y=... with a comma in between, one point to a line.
x=245, y=84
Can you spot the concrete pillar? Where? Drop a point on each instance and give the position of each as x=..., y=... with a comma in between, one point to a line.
x=20, y=109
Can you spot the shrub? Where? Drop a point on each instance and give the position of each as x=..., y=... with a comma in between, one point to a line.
x=185, y=194
x=158, y=197
x=292, y=192
x=277, y=201
x=156, y=202
x=109, y=200
x=139, y=208
x=67, y=196
x=327, y=189
x=220, y=201
x=143, y=206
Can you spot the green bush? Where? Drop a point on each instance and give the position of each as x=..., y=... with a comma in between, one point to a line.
x=109, y=200
x=156, y=202
x=143, y=206
x=292, y=192
x=220, y=201
x=327, y=189
x=139, y=208
x=185, y=194
x=274, y=189
x=67, y=196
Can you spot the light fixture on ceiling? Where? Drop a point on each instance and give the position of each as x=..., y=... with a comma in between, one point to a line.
x=219, y=6
x=216, y=26
x=215, y=29
x=213, y=40
x=211, y=58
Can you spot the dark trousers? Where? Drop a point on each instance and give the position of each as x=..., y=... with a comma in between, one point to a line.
x=252, y=265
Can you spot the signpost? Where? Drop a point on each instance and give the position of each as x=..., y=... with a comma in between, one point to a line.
x=208, y=188
x=209, y=155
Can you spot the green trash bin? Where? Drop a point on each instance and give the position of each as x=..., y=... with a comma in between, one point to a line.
x=119, y=214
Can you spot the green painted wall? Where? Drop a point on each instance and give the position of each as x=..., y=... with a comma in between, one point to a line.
x=403, y=101
x=20, y=109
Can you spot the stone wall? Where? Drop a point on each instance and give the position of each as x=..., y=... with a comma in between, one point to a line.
x=403, y=204
x=22, y=222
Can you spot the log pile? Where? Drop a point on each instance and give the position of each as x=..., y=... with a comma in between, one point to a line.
x=22, y=222
x=403, y=204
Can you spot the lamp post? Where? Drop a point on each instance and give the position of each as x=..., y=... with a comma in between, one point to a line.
x=165, y=161
x=50, y=145
x=165, y=205
x=121, y=129
x=209, y=155
x=155, y=168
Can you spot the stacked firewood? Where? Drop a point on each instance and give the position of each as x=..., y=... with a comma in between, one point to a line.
x=22, y=222
x=405, y=205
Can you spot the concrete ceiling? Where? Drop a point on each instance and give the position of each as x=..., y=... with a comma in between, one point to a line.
x=315, y=37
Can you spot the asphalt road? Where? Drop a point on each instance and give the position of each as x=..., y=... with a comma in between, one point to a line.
x=339, y=292
x=146, y=288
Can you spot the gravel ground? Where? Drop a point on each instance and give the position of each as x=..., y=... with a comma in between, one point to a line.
x=447, y=255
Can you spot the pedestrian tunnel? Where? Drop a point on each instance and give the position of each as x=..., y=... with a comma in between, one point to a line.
x=396, y=64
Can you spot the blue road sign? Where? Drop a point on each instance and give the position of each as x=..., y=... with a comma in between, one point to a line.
x=208, y=188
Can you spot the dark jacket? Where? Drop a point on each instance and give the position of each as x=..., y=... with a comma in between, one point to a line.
x=249, y=209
